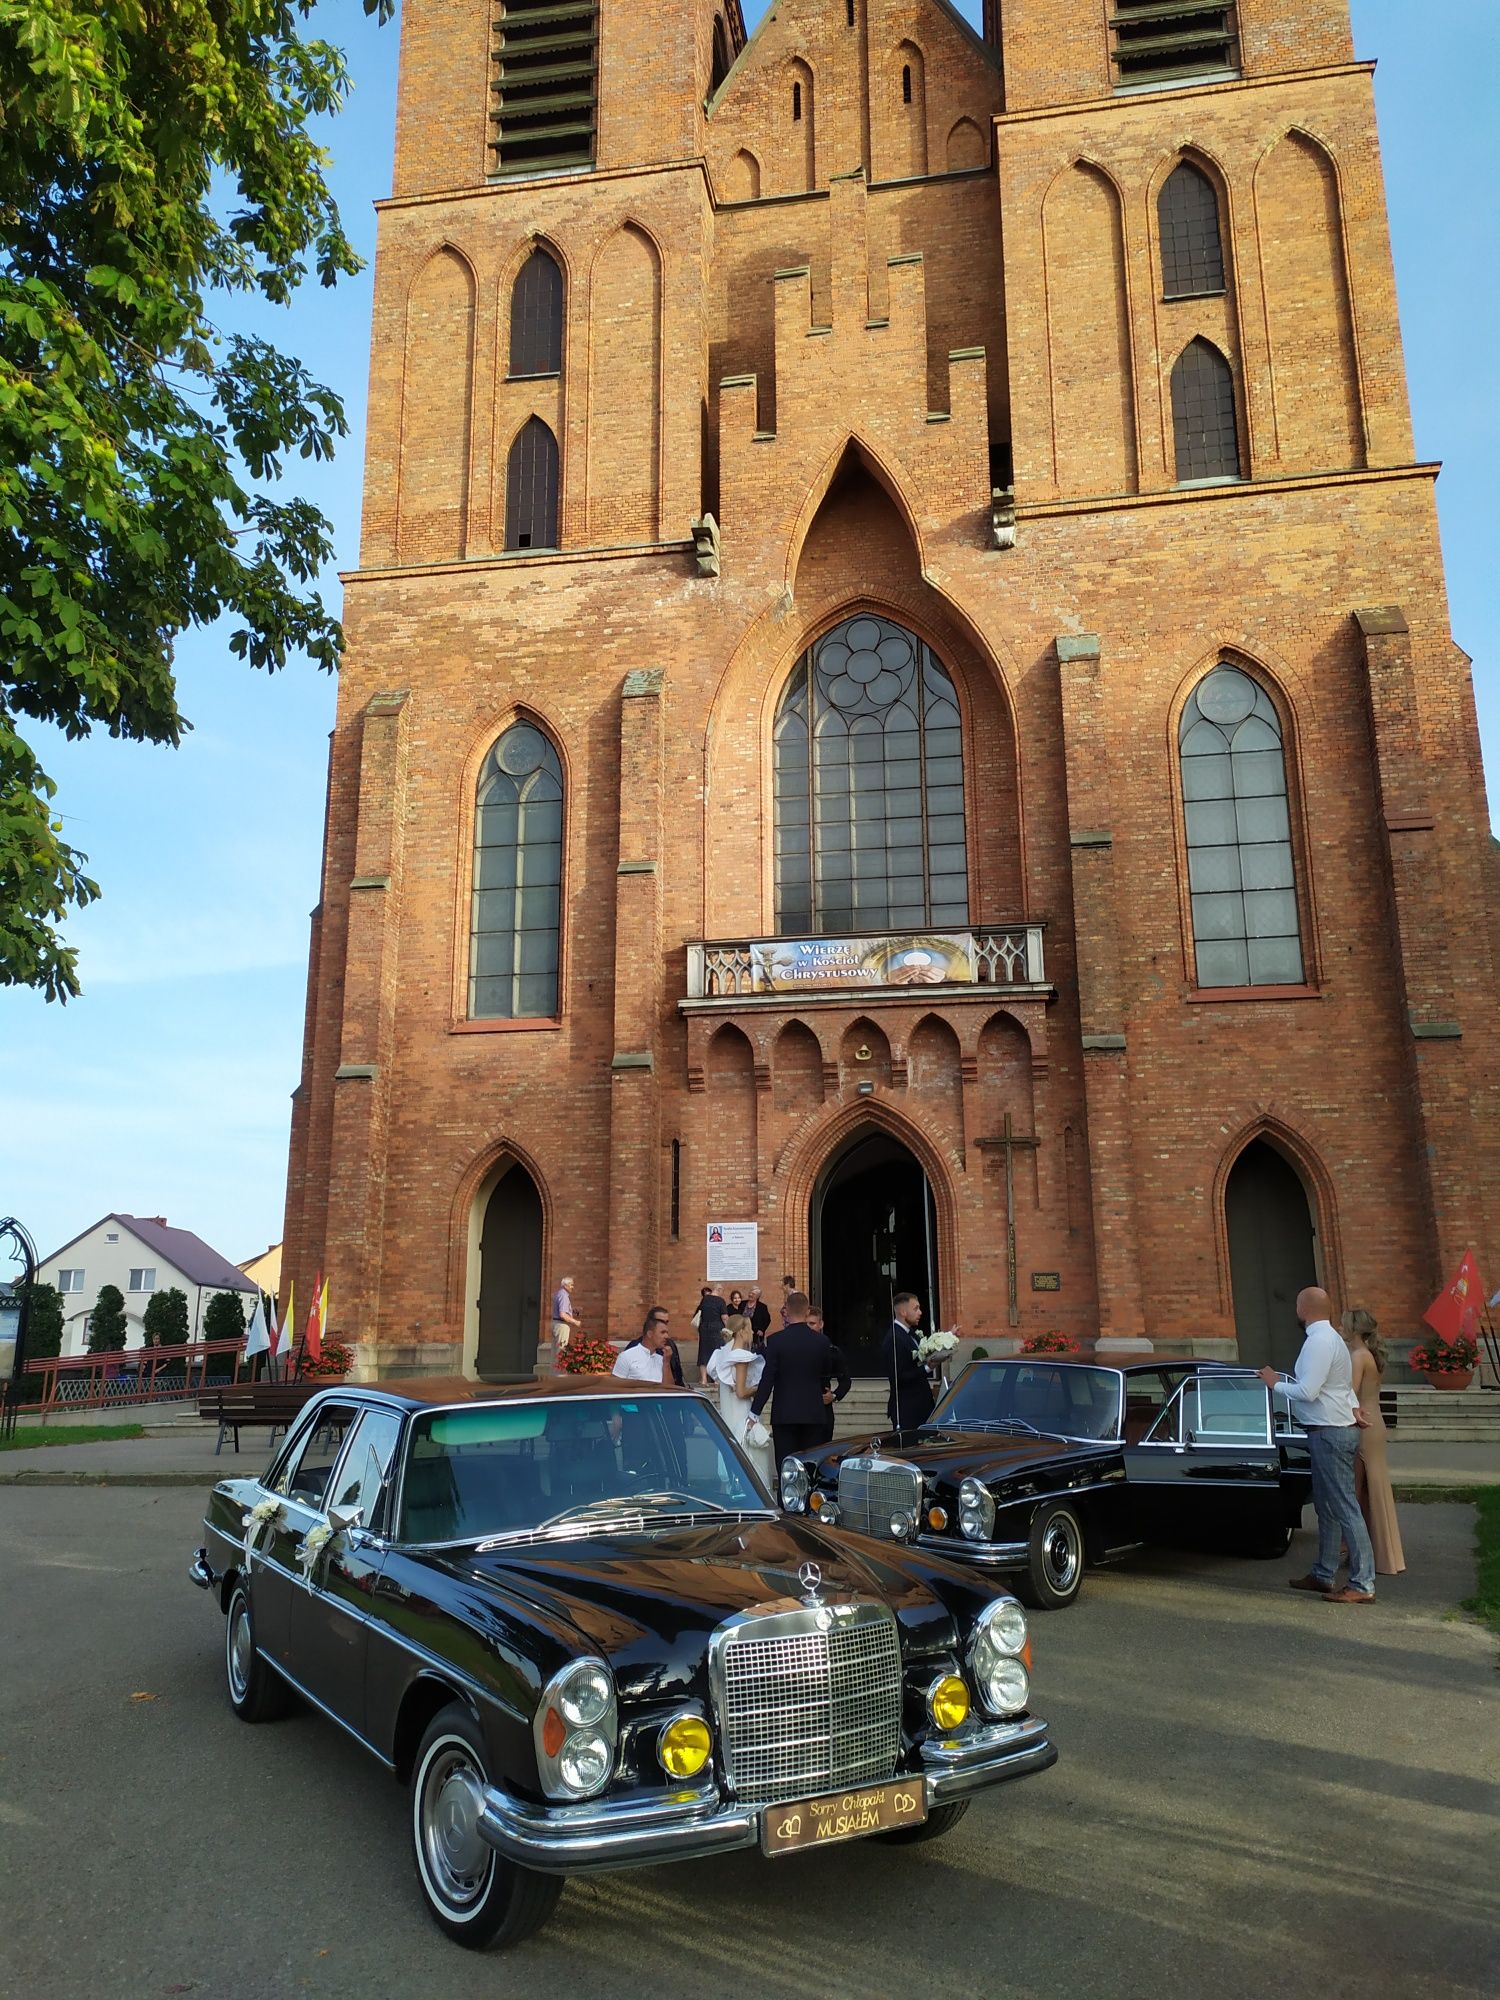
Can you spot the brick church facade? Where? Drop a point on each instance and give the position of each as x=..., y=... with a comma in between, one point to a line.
x=899, y=689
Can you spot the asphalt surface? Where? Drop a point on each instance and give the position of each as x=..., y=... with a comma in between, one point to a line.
x=1258, y=1794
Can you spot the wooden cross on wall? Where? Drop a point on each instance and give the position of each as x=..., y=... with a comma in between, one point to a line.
x=1009, y=1140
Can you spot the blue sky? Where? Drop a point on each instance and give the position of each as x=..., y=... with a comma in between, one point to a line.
x=165, y=1089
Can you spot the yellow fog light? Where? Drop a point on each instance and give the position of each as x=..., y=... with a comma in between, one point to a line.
x=948, y=1702
x=684, y=1745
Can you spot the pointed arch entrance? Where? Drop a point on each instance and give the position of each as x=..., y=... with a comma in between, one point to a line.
x=1271, y=1224
x=510, y=1278
x=873, y=1232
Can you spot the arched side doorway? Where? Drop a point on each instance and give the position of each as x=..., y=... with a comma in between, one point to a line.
x=510, y=1278
x=872, y=1232
x=1273, y=1253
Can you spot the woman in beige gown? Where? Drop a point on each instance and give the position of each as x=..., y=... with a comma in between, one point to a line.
x=1372, y=1477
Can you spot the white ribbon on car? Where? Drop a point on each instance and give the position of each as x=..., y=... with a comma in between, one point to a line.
x=311, y=1547
x=265, y=1513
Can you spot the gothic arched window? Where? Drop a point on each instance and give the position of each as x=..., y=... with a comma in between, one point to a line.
x=536, y=316
x=515, y=909
x=1192, y=252
x=531, y=488
x=1204, y=427
x=869, y=786
x=1246, y=929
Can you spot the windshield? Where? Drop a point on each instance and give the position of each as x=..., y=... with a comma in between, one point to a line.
x=1044, y=1396
x=504, y=1469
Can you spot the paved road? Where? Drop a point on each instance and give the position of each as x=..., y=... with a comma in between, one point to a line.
x=1258, y=1794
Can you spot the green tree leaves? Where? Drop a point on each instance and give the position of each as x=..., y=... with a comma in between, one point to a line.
x=151, y=158
x=108, y=1325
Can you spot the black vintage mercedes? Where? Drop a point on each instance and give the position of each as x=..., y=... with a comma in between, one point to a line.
x=1036, y=1466
x=571, y=1619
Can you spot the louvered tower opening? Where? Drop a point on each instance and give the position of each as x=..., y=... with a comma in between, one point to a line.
x=1171, y=41
x=542, y=91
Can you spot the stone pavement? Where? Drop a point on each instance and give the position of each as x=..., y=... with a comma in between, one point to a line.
x=183, y=1454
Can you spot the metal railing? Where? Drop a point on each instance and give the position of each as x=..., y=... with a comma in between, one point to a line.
x=117, y=1380
x=736, y=969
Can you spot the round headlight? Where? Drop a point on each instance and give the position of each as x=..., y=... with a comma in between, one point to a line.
x=948, y=1703
x=584, y=1763
x=901, y=1526
x=1003, y=1627
x=1006, y=1688
x=794, y=1485
x=585, y=1696
x=683, y=1746
x=976, y=1510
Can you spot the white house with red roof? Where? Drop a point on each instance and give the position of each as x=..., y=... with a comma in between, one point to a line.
x=141, y=1254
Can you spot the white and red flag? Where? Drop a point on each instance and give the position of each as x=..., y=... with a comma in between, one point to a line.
x=1454, y=1313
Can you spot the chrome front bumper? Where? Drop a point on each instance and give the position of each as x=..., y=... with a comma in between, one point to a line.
x=982, y=1555
x=682, y=1825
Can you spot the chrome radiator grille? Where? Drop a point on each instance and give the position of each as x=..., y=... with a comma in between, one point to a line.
x=872, y=1489
x=809, y=1701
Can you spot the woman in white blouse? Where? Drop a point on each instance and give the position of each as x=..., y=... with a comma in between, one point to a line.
x=735, y=1369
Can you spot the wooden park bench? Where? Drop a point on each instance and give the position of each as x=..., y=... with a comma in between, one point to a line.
x=236, y=1406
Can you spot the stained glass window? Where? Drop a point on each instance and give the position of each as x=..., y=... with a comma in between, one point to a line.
x=869, y=787
x=516, y=916
x=1246, y=930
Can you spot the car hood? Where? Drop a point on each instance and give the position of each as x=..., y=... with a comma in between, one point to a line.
x=951, y=1455
x=649, y=1601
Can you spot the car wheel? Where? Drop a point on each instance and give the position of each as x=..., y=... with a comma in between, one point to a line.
x=941, y=1820
x=474, y=1895
x=1054, y=1560
x=257, y=1693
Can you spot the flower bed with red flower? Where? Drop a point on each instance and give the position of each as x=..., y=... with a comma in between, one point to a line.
x=336, y=1359
x=584, y=1356
x=1444, y=1357
x=1047, y=1343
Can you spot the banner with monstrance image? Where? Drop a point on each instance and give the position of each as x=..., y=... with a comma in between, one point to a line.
x=783, y=965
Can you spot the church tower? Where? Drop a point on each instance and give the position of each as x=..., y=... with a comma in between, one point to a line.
x=898, y=695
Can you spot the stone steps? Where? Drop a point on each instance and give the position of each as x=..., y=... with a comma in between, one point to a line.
x=1442, y=1416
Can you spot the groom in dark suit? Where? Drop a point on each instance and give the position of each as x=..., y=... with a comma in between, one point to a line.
x=801, y=1368
x=910, y=1401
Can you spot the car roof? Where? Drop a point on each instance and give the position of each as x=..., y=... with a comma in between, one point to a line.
x=1184, y=1364
x=424, y=1393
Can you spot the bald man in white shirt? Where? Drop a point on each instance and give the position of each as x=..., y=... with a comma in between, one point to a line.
x=1322, y=1400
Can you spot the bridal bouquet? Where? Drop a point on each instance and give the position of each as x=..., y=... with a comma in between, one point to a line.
x=936, y=1346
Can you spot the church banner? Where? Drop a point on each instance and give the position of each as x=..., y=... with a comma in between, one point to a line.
x=787, y=965
x=733, y=1251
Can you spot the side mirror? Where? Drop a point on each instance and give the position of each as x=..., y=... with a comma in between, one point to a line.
x=342, y=1519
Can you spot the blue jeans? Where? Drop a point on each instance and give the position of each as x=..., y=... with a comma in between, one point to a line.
x=1339, y=1519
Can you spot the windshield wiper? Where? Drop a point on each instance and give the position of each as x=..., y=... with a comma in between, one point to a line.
x=1016, y=1424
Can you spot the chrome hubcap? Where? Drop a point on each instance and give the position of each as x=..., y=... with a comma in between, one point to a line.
x=240, y=1651
x=457, y=1856
x=1060, y=1555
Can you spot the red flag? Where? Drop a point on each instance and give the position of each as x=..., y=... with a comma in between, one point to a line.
x=1454, y=1313
x=312, y=1340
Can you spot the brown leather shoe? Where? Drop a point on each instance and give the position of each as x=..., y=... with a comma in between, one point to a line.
x=1351, y=1597
x=1310, y=1583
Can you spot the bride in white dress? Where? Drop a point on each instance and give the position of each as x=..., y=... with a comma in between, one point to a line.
x=735, y=1370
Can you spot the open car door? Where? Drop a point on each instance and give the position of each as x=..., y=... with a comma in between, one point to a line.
x=1209, y=1469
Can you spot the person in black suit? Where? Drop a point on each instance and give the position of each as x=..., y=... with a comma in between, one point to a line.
x=841, y=1376
x=801, y=1367
x=910, y=1401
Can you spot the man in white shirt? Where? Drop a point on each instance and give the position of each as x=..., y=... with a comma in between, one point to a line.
x=645, y=1359
x=1321, y=1399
